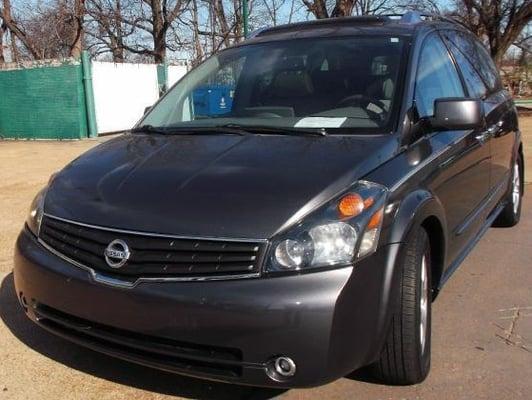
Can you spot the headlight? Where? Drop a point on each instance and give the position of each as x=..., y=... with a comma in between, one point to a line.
x=342, y=231
x=36, y=212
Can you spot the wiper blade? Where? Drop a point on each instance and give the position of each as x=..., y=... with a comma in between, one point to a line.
x=150, y=129
x=231, y=128
x=196, y=130
x=280, y=130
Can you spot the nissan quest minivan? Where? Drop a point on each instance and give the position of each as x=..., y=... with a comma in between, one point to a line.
x=287, y=212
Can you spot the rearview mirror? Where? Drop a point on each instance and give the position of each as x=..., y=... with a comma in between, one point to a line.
x=457, y=113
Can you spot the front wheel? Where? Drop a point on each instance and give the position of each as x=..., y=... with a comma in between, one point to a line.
x=405, y=357
x=511, y=213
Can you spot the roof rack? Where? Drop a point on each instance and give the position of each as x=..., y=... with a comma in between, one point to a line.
x=415, y=17
x=408, y=18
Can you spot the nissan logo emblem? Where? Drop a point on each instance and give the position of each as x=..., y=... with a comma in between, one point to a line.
x=117, y=253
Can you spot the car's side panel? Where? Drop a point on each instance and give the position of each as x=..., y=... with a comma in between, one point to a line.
x=501, y=125
x=446, y=175
x=431, y=171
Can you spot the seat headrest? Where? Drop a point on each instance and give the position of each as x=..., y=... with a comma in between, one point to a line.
x=292, y=83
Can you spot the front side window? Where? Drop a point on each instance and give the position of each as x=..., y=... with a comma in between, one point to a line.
x=436, y=76
x=345, y=84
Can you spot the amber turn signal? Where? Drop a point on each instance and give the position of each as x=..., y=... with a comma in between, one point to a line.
x=376, y=219
x=351, y=205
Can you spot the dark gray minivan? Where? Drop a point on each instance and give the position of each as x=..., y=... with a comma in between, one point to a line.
x=287, y=212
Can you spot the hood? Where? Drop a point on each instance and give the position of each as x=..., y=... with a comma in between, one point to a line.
x=229, y=186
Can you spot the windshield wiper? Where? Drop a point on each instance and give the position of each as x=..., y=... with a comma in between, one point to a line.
x=150, y=129
x=280, y=130
x=231, y=128
x=184, y=130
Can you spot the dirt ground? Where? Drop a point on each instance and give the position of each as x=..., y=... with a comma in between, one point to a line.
x=482, y=333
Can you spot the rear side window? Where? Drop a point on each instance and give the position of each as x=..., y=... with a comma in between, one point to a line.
x=487, y=67
x=478, y=55
x=436, y=76
x=475, y=84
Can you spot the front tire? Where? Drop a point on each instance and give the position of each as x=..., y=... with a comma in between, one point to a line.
x=511, y=213
x=405, y=357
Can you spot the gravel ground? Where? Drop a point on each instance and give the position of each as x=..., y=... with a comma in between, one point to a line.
x=482, y=333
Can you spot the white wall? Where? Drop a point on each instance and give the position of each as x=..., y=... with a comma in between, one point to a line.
x=121, y=93
x=175, y=72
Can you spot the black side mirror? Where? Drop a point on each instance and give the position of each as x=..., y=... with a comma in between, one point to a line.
x=457, y=113
x=146, y=110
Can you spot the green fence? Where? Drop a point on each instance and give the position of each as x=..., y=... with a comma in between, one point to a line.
x=43, y=102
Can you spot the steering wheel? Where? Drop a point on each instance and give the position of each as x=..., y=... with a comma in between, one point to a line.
x=373, y=106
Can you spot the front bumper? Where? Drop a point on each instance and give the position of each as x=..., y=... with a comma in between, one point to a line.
x=328, y=322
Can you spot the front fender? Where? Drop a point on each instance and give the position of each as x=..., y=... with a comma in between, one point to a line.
x=410, y=211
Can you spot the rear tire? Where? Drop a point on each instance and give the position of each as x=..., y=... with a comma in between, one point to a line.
x=511, y=213
x=405, y=357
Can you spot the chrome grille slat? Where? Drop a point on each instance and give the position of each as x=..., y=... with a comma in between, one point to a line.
x=151, y=256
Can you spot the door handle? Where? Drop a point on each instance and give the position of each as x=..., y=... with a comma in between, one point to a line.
x=483, y=136
x=491, y=131
x=495, y=128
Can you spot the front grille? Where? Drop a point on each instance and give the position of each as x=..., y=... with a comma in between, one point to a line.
x=155, y=351
x=152, y=256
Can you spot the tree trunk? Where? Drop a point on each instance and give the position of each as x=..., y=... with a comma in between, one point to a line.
x=318, y=8
x=118, y=46
x=159, y=32
x=343, y=8
x=198, y=48
x=239, y=21
x=2, y=33
x=77, y=42
x=219, y=13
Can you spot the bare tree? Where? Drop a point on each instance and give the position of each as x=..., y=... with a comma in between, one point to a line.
x=198, y=52
x=372, y=7
x=48, y=29
x=16, y=31
x=106, y=27
x=343, y=8
x=499, y=21
x=162, y=14
x=328, y=9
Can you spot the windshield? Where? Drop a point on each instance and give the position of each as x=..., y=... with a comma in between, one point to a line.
x=343, y=85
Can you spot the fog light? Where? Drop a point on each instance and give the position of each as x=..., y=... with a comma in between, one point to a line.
x=285, y=366
x=281, y=368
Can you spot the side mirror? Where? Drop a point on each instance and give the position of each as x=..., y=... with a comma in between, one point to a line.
x=147, y=109
x=457, y=113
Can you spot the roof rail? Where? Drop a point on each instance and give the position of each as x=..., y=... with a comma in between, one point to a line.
x=415, y=17
x=257, y=32
x=409, y=17
x=366, y=19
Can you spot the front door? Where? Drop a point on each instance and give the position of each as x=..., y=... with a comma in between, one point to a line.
x=463, y=180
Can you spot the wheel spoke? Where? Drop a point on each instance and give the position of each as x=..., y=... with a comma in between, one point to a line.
x=516, y=188
x=423, y=304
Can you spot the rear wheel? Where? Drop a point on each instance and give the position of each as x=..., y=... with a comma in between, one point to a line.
x=511, y=214
x=405, y=357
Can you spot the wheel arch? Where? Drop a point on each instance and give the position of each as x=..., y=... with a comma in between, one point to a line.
x=434, y=229
x=421, y=208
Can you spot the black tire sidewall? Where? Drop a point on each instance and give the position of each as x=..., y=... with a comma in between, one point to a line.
x=422, y=249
